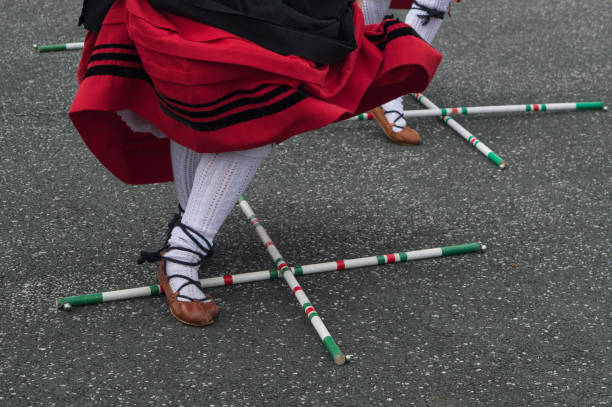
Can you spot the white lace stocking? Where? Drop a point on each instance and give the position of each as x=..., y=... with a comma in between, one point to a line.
x=418, y=18
x=374, y=10
x=218, y=181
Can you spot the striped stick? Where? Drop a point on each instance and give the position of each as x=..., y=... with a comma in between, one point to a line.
x=542, y=107
x=60, y=47
x=363, y=116
x=469, y=137
x=299, y=293
x=272, y=274
x=452, y=111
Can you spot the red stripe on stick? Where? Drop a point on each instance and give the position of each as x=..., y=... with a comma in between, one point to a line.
x=296, y=289
x=390, y=258
x=269, y=244
x=309, y=310
x=228, y=280
x=282, y=265
x=536, y=108
x=455, y=110
x=340, y=265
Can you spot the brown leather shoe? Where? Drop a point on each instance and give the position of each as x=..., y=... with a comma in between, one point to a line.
x=406, y=136
x=194, y=312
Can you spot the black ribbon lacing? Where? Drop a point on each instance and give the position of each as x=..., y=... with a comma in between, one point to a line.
x=400, y=115
x=431, y=13
x=176, y=219
x=189, y=232
x=203, y=251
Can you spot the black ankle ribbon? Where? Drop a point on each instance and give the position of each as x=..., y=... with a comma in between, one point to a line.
x=203, y=251
x=173, y=222
x=149, y=257
x=431, y=13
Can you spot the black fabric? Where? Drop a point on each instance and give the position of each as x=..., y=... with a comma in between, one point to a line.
x=318, y=30
x=289, y=99
x=93, y=14
x=204, y=247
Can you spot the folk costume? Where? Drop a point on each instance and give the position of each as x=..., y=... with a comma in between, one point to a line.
x=198, y=91
x=425, y=16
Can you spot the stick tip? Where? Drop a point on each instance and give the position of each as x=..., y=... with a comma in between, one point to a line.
x=605, y=108
x=62, y=304
x=483, y=247
x=37, y=47
x=340, y=359
x=502, y=165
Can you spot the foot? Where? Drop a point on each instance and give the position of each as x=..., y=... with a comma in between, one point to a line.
x=178, y=274
x=395, y=128
x=191, y=311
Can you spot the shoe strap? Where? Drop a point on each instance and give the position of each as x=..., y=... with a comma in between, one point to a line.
x=176, y=219
x=400, y=115
x=196, y=237
x=190, y=281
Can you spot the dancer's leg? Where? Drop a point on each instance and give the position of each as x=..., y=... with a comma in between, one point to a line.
x=425, y=17
x=374, y=10
x=218, y=182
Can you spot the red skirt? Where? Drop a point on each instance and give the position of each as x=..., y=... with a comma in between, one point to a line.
x=405, y=4
x=212, y=91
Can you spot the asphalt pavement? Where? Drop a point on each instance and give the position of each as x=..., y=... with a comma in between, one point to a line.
x=527, y=323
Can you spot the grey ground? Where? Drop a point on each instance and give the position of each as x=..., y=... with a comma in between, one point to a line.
x=526, y=324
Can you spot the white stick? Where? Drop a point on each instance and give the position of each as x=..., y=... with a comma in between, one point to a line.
x=469, y=137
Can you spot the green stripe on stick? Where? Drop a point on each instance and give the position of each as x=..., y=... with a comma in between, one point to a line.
x=84, y=299
x=589, y=106
x=461, y=249
x=334, y=350
x=495, y=158
x=51, y=47
x=273, y=273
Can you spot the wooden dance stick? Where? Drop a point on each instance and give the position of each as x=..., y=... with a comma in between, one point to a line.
x=498, y=109
x=299, y=293
x=467, y=136
x=272, y=274
x=59, y=47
